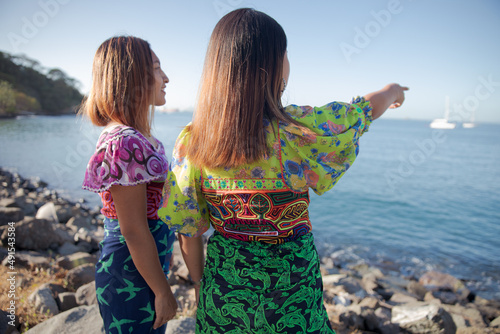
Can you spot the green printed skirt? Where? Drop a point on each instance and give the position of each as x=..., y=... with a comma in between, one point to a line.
x=255, y=287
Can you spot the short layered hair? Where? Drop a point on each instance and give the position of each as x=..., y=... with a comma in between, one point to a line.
x=122, y=84
x=241, y=84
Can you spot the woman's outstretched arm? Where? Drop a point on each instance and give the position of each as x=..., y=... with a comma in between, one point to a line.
x=391, y=96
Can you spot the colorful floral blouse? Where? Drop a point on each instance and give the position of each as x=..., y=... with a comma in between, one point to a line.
x=267, y=200
x=125, y=157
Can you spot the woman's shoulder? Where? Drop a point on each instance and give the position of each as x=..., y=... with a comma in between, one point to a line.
x=124, y=156
x=116, y=132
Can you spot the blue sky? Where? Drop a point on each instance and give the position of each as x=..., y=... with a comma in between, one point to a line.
x=337, y=49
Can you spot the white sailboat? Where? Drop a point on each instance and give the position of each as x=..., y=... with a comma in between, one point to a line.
x=470, y=123
x=443, y=123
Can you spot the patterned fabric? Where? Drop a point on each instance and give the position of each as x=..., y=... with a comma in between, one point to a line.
x=251, y=287
x=153, y=195
x=273, y=217
x=118, y=282
x=125, y=157
x=253, y=194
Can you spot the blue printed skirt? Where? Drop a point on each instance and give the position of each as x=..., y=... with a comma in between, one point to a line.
x=126, y=302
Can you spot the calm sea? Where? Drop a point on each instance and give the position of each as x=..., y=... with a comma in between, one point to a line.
x=416, y=199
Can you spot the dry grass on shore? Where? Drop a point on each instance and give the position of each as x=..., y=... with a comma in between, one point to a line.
x=27, y=281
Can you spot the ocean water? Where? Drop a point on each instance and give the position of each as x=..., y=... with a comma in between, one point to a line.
x=416, y=199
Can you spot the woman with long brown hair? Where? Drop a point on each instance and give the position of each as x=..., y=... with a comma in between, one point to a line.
x=245, y=165
x=128, y=171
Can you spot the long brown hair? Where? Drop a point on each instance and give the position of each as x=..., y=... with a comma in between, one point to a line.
x=122, y=84
x=241, y=85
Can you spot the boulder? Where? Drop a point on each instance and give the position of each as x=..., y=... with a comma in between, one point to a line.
x=402, y=298
x=75, y=223
x=36, y=234
x=81, y=275
x=434, y=280
x=68, y=248
x=66, y=301
x=333, y=279
x=12, y=214
x=8, y=203
x=420, y=317
x=351, y=317
x=29, y=259
x=76, y=259
x=416, y=289
x=351, y=285
x=26, y=204
x=8, y=323
x=47, y=212
x=64, y=213
x=495, y=322
x=86, y=294
x=82, y=319
x=43, y=300
x=470, y=316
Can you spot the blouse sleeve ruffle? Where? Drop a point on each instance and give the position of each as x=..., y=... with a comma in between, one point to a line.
x=184, y=208
x=124, y=158
x=320, y=159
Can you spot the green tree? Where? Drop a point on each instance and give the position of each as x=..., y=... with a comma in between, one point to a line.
x=7, y=98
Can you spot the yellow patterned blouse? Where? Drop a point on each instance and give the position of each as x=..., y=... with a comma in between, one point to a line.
x=267, y=200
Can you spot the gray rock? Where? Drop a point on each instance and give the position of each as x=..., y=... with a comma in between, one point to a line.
x=388, y=286
x=350, y=284
x=75, y=223
x=8, y=203
x=81, y=275
x=44, y=301
x=381, y=322
x=8, y=215
x=446, y=297
x=333, y=279
x=182, y=325
x=26, y=204
x=68, y=248
x=29, y=259
x=351, y=317
x=36, y=234
x=495, y=322
x=86, y=295
x=76, y=259
x=56, y=289
x=470, y=315
x=369, y=282
x=82, y=319
x=66, y=301
x=8, y=323
x=64, y=213
x=64, y=232
x=400, y=298
x=47, y=212
x=420, y=317
x=416, y=289
x=434, y=280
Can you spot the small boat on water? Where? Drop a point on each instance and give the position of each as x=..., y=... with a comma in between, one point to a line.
x=443, y=123
x=470, y=123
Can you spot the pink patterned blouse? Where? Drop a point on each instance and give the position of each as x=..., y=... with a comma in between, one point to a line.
x=125, y=157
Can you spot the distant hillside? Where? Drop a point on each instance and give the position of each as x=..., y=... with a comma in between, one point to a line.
x=27, y=87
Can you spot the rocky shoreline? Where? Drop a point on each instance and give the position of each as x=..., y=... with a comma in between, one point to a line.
x=49, y=247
